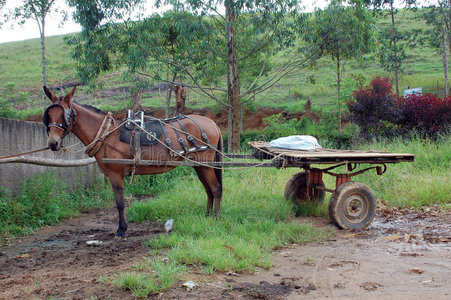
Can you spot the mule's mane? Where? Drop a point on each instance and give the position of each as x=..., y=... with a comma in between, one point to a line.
x=92, y=108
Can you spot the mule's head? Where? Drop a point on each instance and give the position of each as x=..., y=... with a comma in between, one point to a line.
x=59, y=118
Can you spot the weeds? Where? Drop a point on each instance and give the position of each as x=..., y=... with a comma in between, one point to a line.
x=150, y=277
x=425, y=182
x=42, y=201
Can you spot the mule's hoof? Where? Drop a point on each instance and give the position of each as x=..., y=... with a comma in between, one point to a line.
x=119, y=238
x=120, y=234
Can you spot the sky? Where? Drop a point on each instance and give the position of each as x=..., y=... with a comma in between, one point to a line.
x=30, y=29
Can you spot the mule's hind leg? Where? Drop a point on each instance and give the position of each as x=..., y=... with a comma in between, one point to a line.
x=212, y=186
x=117, y=183
x=201, y=176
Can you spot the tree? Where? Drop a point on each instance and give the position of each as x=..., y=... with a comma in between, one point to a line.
x=439, y=17
x=393, y=53
x=170, y=48
x=343, y=33
x=37, y=10
x=201, y=46
x=251, y=30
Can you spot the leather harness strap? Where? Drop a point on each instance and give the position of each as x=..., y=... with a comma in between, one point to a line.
x=167, y=139
x=203, y=134
x=189, y=137
x=179, y=138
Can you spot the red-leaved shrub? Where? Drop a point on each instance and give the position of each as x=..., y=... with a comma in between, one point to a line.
x=427, y=113
x=374, y=108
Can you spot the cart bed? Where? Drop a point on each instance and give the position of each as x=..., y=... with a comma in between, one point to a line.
x=262, y=150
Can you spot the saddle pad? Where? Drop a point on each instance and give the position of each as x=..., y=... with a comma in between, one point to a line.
x=154, y=132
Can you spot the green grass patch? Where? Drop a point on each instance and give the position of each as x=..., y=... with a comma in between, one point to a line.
x=255, y=219
x=425, y=182
x=44, y=200
x=149, y=277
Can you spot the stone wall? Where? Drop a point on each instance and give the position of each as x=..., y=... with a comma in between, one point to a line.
x=20, y=136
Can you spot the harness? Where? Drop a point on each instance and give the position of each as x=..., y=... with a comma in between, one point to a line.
x=70, y=116
x=132, y=134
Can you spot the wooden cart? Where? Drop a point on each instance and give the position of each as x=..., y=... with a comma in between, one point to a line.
x=352, y=204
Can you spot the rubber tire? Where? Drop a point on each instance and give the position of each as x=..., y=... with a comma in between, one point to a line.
x=296, y=190
x=350, y=191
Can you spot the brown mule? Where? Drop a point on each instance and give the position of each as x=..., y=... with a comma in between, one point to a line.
x=65, y=116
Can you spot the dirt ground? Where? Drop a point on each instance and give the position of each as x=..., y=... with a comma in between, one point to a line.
x=402, y=255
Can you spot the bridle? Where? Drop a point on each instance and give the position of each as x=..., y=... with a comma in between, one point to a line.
x=69, y=118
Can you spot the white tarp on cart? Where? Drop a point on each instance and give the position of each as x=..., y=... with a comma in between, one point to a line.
x=296, y=142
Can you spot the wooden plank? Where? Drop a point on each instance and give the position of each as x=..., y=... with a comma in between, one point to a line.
x=329, y=153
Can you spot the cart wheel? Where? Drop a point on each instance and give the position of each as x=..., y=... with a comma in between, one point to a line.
x=296, y=190
x=352, y=206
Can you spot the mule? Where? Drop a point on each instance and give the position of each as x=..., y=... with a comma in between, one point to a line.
x=65, y=116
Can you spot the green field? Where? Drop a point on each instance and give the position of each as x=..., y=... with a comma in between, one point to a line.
x=20, y=76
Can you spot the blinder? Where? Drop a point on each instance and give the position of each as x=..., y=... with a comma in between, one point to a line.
x=69, y=118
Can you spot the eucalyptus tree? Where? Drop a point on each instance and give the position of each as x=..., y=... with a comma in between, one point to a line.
x=170, y=47
x=393, y=53
x=203, y=46
x=342, y=33
x=37, y=10
x=439, y=36
x=251, y=32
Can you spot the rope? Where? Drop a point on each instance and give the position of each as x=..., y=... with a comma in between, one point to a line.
x=94, y=141
x=200, y=163
x=24, y=153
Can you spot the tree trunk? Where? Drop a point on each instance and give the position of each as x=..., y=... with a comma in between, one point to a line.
x=338, y=89
x=137, y=100
x=168, y=103
x=44, y=74
x=445, y=61
x=395, y=51
x=447, y=29
x=168, y=98
x=233, y=85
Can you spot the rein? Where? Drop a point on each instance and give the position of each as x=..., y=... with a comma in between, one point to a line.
x=102, y=133
x=23, y=153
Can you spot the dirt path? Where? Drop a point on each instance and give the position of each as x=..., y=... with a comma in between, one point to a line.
x=403, y=255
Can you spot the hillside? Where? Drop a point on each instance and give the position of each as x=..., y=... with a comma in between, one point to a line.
x=20, y=77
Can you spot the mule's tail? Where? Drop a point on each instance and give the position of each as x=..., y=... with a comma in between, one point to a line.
x=218, y=158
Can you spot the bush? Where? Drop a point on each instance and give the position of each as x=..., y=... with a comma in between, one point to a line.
x=277, y=126
x=374, y=109
x=426, y=114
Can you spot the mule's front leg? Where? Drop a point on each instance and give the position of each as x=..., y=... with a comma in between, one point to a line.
x=118, y=188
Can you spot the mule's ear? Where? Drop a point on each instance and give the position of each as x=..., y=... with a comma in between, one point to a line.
x=49, y=94
x=69, y=95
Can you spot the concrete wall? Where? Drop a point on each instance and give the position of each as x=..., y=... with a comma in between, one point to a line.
x=20, y=136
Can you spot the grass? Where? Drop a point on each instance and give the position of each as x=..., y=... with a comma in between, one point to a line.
x=20, y=76
x=255, y=219
x=43, y=201
x=150, y=276
x=425, y=182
